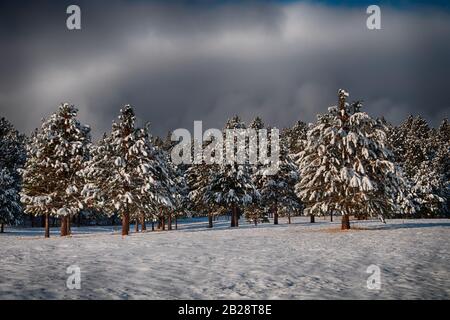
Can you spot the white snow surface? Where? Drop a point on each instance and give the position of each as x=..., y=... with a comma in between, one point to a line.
x=297, y=261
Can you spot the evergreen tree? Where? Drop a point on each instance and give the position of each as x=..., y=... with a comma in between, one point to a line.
x=413, y=142
x=428, y=184
x=419, y=151
x=294, y=138
x=12, y=148
x=231, y=186
x=9, y=200
x=161, y=194
x=258, y=211
x=346, y=167
x=178, y=190
x=167, y=144
x=441, y=165
x=197, y=178
x=276, y=189
x=56, y=153
x=443, y=160
x=125, y=173
x=177, y=185
x=12, y=159
x=158, y=142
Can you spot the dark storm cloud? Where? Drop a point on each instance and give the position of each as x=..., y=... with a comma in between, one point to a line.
x=177, y=63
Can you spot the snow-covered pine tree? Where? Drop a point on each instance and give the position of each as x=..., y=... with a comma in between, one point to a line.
x=124, y=172
x=444, y=132
x=294, y=138
x=181, y=195
x=278, y=190
x=12, y=159
x=197, y=179
x=9, y=200
x=231, y=185
x=416, y=147
x=180, y=189
x=56, y=152
x=257, y=124
x=441, y=162
x=346, y=167
x=177, y=188
x=413, y=144
x=289, y=204
x=160, y=192
x=258, y=211
x=167, y=144
x=427, y=186
x=12, y=148
x=158, y=142
x=440, y=165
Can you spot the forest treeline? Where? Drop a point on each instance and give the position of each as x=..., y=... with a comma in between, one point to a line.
x=346, y=164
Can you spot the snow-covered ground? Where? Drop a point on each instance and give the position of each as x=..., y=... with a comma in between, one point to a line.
x=297, y=261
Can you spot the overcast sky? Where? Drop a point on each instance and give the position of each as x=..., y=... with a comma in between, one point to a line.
x=184, y=61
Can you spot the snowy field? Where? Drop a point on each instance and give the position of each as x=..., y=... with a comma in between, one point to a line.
x=297, y=261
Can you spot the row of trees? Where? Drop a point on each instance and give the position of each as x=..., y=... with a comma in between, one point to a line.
x=122, y=173
x=344, y=164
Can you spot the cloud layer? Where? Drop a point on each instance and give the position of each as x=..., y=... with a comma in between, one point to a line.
x=177, y=63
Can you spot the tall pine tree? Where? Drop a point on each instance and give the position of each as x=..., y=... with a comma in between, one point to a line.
x=12, y=159
x=346, y=167
x=56, y=153
x=419, y=151
x=126, y=174
x=231, y=186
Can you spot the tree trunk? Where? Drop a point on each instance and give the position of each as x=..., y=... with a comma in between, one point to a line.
x=43, y=221
x=64, y=226
x=125, y=224
x=176, y=223
x=47, y=225
x=63, y=229
x=233, y=215
x=153, y=225
x=236, y=216
x=331, y=216
x=136, y=227
x=163, y=223
x=79, y=220
x=275, y=214
x=289, y=219
x=210, y=220
x=345, y=222
x=144, y=226
x=256, y=221
x=313, y=219
x=2, y=228
x=69, y=228
x=169, y=222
